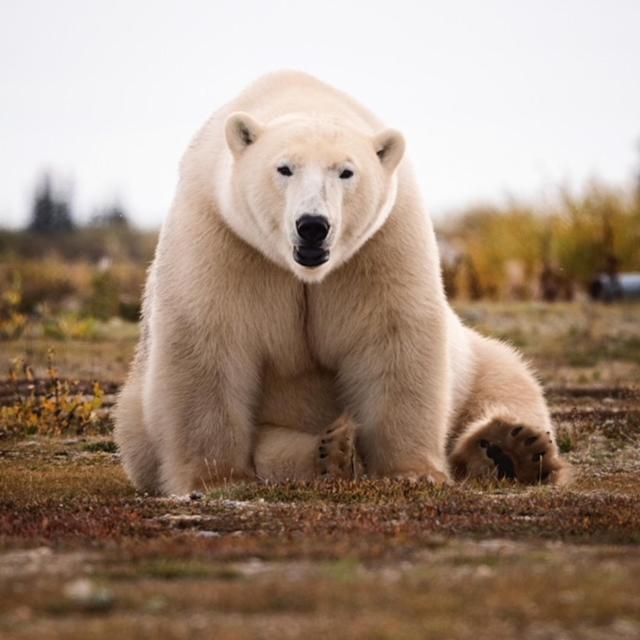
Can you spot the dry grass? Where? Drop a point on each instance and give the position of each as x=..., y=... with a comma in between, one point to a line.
x=504, y=249
x=51, y=405
x=83, y=556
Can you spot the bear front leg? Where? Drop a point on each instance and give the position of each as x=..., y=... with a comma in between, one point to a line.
x=202, y=417
x=396, y=386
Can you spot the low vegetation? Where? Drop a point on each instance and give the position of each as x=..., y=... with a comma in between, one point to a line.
x=50, y=405
x=83, y=556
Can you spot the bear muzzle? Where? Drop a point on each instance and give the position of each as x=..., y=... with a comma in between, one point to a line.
x=312, y=231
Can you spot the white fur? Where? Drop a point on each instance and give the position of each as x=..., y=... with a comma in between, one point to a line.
x=247, y=356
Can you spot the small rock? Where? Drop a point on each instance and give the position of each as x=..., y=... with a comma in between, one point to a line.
x=88, y=595
x=181, y=517
x=181, y=520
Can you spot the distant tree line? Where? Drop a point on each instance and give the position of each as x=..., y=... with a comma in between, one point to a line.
x=52, y=212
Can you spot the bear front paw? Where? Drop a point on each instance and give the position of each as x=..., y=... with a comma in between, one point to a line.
x=336, y=456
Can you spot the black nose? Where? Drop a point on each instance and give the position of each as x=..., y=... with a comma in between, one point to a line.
x=312, y=229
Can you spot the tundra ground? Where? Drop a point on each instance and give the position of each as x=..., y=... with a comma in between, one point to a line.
x=83, y=556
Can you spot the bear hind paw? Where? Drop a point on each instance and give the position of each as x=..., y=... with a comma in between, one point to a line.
x=507, y=449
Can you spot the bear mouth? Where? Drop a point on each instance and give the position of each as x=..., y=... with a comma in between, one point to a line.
x=310, y=256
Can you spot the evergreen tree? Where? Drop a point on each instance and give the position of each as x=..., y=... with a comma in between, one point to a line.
x=51, y=213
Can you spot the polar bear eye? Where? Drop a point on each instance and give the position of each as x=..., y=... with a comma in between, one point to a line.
x=346, y=174
x=285, y=170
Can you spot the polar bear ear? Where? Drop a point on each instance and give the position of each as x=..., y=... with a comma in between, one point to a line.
x=241, y=130
x=389, y=147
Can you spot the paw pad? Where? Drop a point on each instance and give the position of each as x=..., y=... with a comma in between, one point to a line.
x=504, y=463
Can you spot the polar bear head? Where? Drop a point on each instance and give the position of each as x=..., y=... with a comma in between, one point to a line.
x=309, y=193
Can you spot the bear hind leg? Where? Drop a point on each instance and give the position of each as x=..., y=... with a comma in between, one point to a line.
x=505, y=431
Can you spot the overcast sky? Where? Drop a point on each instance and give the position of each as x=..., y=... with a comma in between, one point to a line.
x=494, y=97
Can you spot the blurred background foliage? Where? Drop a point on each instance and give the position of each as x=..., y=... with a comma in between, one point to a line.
x=62, y=278
x=549, y=251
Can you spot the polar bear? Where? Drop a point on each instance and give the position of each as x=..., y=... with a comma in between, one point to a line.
x=294, y=320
